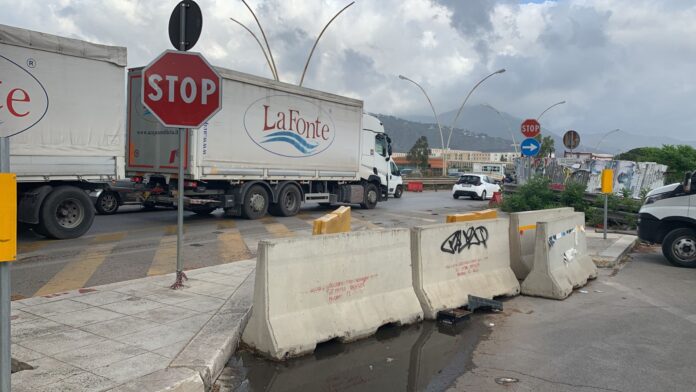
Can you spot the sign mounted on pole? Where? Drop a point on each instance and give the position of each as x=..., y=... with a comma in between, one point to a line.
x=186, y=21
x=181, y=89
x=530, y=147
x=530, y=127
x=571, y=140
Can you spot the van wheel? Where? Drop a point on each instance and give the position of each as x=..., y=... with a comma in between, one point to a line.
x=679, y=247
x=398, y=192
x=67, y=212
x=371, y=196
x=289, y=202
x=255, y=202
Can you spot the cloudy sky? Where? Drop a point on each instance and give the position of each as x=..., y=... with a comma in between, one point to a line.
x=626, y=64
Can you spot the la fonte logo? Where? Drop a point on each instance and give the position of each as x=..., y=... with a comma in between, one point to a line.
x=23, y=99
x=289, y=127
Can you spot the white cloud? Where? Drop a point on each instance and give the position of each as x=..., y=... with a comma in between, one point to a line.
x=619, y=63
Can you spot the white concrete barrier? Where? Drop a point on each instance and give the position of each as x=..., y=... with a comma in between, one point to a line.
x=523, y=236
x=313, y=289
x=561, y=261
x=453, y=260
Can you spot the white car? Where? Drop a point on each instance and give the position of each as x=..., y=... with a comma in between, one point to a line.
x=476, y=186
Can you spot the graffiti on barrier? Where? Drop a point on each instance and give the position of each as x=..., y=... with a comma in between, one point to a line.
x=465, y=239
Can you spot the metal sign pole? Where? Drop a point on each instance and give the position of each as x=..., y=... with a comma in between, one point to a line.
x=5, y=292
x=180, y=276
x=606, y=207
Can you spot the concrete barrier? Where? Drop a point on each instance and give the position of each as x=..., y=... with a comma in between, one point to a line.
x=561, y=261
x=314, y=289
x=523, y=236
x=334, y=222
x=453, y=260
x=474, y=215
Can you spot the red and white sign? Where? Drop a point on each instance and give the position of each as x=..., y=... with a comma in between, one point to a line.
x=23, y=99
x=530, y=127
x=181, y=89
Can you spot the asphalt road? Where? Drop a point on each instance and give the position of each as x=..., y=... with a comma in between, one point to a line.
x=135, y=243
x=633, y=330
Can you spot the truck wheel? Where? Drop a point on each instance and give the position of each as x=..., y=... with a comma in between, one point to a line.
x=679, y=247
x=203, y=210
x=67, y=212
x=371, y=196
x=255, y=202
x=289, y=202
x=107, y=203
x=398, y=192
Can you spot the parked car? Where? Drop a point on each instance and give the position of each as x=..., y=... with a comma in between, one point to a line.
x=476, y=186
x=123, y=192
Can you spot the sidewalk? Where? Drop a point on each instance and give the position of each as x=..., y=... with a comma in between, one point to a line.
x=610, y=252
x=141, y=336
x=136, y=335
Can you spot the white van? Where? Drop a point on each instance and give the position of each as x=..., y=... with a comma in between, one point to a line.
x=396, y=182
x=668, y=217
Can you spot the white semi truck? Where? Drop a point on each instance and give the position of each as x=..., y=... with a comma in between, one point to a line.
x=271, y=147
x=63, y=103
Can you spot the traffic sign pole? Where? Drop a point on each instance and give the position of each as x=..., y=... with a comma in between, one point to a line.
x=180, y=276
x=5, y=291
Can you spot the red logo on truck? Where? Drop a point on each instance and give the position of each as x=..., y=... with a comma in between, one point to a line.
x=23, y=99
x=289, y=126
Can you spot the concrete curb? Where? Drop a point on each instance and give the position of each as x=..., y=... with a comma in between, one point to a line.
x=208, y=351
x=179, y=380
x=613, y=255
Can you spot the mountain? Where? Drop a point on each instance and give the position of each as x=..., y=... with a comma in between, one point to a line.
x=484, y=120
x=404, y=134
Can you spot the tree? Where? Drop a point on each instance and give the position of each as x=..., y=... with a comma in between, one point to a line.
x=419, y=153
x=548, y=146
x=679, y=159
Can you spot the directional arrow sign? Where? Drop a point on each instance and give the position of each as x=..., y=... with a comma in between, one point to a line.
x=530, y=147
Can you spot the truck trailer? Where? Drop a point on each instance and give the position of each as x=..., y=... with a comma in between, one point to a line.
x=62, y=101
x=271, y=147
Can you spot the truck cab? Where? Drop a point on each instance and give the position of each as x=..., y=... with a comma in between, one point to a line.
x=668, y=217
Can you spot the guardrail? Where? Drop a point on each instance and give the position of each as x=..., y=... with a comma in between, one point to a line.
x=618, y=217
x=433, y=183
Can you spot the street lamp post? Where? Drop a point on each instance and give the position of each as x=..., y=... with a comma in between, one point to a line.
x=462, y=107
x=605, y=135
x=549, y=108
x=507, y=123
x=437, y=120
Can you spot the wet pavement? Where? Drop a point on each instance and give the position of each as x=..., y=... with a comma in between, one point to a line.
x=425, y=357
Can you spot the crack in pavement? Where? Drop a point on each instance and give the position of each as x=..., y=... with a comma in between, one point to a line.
x=552, y=381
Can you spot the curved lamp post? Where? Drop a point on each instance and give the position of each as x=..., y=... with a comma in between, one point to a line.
x=549, y=108
x=507, y=123
x=604, y=136
x=462, y=107
x=437, y=120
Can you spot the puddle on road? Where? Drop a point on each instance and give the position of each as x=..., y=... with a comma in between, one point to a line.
x=424, y=357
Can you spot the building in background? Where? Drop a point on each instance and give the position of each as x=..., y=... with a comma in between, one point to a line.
x=459, y=160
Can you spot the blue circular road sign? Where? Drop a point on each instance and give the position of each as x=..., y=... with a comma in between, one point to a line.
x=530, y=147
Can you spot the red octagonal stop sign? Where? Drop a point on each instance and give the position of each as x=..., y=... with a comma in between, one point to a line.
x=181, y=89
x=530, y=127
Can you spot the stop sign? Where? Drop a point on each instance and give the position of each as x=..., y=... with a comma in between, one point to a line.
x=530, y=127
x=181, y=89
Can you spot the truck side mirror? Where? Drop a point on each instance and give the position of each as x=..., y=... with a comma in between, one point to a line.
x=389, y=150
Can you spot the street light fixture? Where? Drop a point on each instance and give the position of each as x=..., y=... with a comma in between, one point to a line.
x=507, y=123
x=437, y=120
x=549, y=108
x=605, y=135
x=462, y=107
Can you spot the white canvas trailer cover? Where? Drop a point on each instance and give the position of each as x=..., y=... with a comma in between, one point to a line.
x=75, y=101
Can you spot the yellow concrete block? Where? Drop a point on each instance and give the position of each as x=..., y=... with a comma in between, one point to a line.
x=335, y=222
x=472, y=216
x=469, y=216
x=8, y=217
